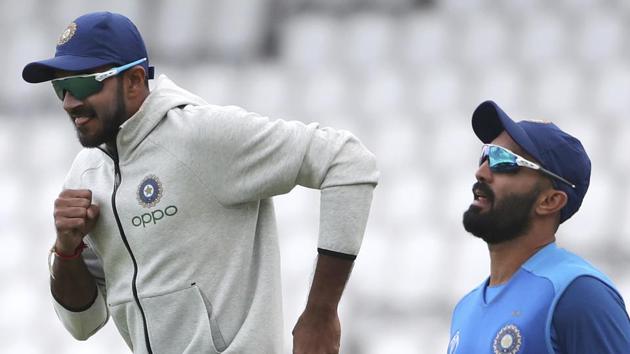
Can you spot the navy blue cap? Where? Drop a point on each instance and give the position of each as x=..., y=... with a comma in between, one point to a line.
x=551, y=147
x=92, y=40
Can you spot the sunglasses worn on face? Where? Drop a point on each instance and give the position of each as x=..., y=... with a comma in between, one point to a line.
x=83, y=86
x=502, y=160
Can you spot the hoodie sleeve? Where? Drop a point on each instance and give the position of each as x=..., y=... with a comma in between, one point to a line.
x=253, y=157
x=84, y=323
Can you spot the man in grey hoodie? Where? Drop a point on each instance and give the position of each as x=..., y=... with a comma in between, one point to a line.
x=166, y=222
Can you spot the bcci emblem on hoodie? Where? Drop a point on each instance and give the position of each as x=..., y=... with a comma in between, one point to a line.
x=149, y=194
x=150, y=191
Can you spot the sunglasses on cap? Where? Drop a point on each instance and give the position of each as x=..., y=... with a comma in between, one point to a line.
x=502, y=160
x=83, y=86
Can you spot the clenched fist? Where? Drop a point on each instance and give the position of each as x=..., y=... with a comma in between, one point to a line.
x=75, y=217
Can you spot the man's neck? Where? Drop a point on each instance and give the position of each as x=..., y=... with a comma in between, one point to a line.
x=507, y=257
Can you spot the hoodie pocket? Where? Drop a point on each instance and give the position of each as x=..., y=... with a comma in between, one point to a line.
x=182, y=322
x=217, y=336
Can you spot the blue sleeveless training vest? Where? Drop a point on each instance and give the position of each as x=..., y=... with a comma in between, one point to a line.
x=518, y=319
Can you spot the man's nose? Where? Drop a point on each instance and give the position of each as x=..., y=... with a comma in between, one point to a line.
x=483, y=173
x=70, y=102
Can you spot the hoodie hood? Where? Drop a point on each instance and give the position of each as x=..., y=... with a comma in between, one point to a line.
x=165, y=96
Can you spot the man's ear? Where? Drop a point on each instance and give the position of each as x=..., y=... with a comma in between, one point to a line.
x=551, y=201
x=134, y=82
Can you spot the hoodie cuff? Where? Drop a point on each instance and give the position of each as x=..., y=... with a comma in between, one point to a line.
x=343, y=216
x=350, y=257
x=83, y=324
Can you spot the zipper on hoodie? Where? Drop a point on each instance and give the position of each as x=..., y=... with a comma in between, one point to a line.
x=134, y=289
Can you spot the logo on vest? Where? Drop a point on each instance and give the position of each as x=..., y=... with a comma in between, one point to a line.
x=508, y=340
x=150, y=191
x=454, y=343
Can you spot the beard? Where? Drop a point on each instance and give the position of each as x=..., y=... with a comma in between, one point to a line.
x=110, y=120
x=507, y=219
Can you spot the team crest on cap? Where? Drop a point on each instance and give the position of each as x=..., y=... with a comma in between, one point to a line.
x=508, y=340
x=67, y=34
x=150, y=191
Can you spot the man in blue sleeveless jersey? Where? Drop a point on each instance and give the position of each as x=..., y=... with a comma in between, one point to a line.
x=539, y=298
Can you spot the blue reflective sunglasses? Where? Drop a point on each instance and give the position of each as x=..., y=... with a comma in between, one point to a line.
x=83, y=86
x=502, y=160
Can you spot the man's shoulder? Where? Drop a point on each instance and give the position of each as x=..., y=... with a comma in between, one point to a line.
x=589, y=317
x=211, y=110
x=561, y=267
x=586, y=299
x=86, y=159
x=587, y=291
x=205, y=119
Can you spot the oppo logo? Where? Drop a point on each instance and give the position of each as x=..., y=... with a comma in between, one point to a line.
x=153, y=217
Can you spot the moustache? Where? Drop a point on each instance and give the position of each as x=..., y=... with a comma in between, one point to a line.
x=483, y=189
x=82, y=112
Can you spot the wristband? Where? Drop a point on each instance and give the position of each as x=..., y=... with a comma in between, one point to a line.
x=75, y=255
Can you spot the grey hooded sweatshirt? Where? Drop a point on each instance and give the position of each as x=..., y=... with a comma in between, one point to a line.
x=185, y=251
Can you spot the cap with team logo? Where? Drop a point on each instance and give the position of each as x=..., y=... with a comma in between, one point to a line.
x=92, y=40
x=550, y=146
